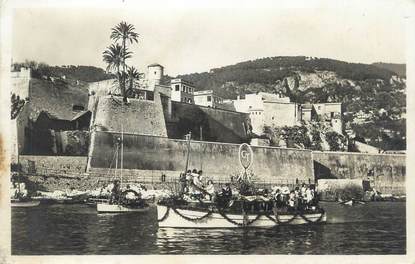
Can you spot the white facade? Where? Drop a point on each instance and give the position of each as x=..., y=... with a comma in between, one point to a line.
x=331, y=112
x=207, y=98
x=267, y=109
x=20, y=82
x=256, y=101
x=182, y=91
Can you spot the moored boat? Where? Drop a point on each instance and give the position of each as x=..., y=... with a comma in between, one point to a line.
x=212, y=216
x=24, y=203
x=122, y=201
x=118, y=208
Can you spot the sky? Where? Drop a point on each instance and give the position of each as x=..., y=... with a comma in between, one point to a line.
x=187, y=40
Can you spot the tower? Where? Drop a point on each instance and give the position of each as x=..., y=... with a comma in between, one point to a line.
x=154, y=74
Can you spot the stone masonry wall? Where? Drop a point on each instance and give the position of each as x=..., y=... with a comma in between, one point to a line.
x=138, y=116
x=44, y=165
x=386, y=172
x=217, y=124
x=217, y=160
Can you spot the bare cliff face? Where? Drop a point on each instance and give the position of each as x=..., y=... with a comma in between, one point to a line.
x=304, y=80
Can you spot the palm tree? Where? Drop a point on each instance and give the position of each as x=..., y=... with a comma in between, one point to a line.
x=124, y=32
x=114, y=56
x=133, y=76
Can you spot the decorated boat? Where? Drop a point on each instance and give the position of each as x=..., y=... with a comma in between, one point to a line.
x=246, y=208
x=191, y=215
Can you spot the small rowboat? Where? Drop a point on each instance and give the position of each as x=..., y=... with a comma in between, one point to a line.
x=176, y=217
x=352, y=202
x=118, y=208
x=24, y=203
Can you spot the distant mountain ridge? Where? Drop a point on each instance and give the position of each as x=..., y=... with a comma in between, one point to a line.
x=375, y=91
x=266, y=73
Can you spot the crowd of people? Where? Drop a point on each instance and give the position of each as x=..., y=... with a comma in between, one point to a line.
x=299, y=198
x=195, y=185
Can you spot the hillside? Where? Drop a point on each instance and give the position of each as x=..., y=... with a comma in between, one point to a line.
x=269, y=74
x=68, y=72
x=57, y=98
x=399, y=69
x=373, y=95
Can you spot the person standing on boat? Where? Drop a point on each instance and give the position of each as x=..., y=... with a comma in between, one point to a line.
x=309, y=196
x=285, y=191
x=182, y=180
x=202, y=178
x=291, y=201
x=196, y=179
x=227, y=191
x=189, y=181
x=210, y=189
x=115, y=192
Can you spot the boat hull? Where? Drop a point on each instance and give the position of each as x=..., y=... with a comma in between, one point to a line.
x=24, y=204
x=176, y=218
x=116, y=208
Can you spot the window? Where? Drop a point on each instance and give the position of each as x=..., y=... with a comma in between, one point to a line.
x=155, y=73
x=78, y=108
x=319, y=107
x=209, y=98
x=177, y=87
x=331, y=114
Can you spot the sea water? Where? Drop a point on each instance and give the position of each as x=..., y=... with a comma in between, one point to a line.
x=373, y=228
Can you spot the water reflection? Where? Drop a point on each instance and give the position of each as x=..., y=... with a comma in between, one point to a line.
x=77, y=229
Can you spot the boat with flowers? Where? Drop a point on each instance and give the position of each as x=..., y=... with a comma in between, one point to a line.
x=244, y=212
x=245, y=208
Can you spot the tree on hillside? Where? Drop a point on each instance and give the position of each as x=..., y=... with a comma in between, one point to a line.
x=124, y=32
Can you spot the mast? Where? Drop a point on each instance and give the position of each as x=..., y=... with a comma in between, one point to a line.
x=122, y=151
x=188, y=136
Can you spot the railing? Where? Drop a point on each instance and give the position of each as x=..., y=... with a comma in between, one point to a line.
x=54, y=172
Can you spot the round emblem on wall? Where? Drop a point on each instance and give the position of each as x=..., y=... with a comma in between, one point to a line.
x=245, y=155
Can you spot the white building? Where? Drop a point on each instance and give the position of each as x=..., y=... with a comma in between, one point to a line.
x=267, y=109
x=182, y=91
x=20, y=82
x=325, y=112
x=207, y=98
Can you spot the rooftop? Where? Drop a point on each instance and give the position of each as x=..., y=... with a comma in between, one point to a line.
x=179, y=80
x=204, y=92
x=155, y=65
